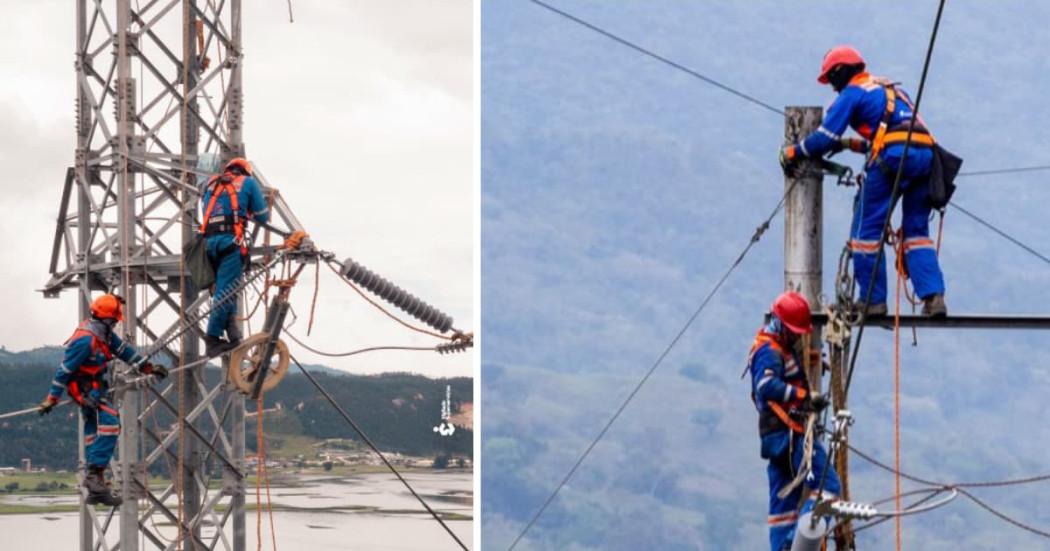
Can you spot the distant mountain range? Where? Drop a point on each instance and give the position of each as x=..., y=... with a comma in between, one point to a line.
x=397, y=410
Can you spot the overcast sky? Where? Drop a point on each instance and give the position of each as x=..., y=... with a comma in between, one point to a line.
x=359, y=112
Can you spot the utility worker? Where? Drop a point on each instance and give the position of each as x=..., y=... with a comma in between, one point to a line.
x=881, y=112
x=781, y=394
x=229, y=200
x=83, y=374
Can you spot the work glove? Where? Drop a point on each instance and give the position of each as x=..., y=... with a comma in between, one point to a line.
x=158, y=371
x=817, y=402
x=47, y=405
x=293, y=241
x=788, y=158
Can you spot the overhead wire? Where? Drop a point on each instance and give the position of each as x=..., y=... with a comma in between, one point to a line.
x=368, y=441
x=658, y=57
x=1004, y=171
x=962, y=489
x=1002, y=233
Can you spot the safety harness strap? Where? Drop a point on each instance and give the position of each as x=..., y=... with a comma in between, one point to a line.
x=777, y=409
x=97, y=343
x=899, y=133
x=220, y=185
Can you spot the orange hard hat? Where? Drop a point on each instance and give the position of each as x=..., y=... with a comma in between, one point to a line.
x=839, y=55
x=792, y=309
x=241, y=163
x=108, y=306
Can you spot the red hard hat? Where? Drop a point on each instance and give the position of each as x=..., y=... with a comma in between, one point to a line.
x=839, y=55
x=241, y=163
x=107, y=307
x=793, y=310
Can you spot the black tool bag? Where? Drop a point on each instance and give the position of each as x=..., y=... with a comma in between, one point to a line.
x=942, y=176
x=196, y=257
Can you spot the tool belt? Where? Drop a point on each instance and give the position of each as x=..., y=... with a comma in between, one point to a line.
x=220, y=225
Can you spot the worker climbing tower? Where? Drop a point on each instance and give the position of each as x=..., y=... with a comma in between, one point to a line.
x=158, y=107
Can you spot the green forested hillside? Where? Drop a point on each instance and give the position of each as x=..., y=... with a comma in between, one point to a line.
x=396, y=410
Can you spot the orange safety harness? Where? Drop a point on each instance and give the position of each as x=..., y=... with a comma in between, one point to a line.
x=87, y=375
x=899, y=133
x=220, y=184
x=777, y=408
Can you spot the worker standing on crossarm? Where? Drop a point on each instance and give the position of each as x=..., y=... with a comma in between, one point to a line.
x=881, y=112
x=229, y=200
x=781, y=394
x=82, y=374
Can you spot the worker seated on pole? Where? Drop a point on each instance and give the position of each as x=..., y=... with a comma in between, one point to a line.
x=780, y=392
x=82, y=373
x=881, y=112
x=230, y=199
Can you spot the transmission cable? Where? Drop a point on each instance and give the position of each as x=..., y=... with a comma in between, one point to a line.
x=368, y=441
x=659, y=57
x=961, y=488
x=761, y=229
x=1002, y=233
x=1004, y=171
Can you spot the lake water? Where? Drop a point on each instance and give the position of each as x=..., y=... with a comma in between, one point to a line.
x=373, y=512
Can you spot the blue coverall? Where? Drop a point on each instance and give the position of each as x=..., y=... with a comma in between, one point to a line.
x=860, y=105
x=223, y=250
x=82, y=372
x=777, y=376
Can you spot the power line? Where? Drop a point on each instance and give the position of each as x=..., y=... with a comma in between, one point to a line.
x=368, y=441
x=1004, y=171
x=961, y=488
x=1002, y=233
x=659, y=57
x=707, y=299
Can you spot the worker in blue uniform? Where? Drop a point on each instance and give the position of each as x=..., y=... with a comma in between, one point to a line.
x=781, y=394
x=82, y=374
x=881, y=112
x=230, y=199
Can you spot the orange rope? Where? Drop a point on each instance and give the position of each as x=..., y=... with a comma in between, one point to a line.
x=897, y=392
x=262, y=474
x=258, y=472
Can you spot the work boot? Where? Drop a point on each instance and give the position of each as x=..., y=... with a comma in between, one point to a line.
x=98, y=490
x=215, y=346
x=934, y=306
x=871, y=310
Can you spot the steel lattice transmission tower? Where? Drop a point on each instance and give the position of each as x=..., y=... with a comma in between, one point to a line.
x=158, y=107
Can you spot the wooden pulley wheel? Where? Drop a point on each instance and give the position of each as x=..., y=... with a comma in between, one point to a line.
x=246, y=358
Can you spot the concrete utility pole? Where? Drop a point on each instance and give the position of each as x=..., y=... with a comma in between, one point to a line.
x=803, y=272
x=158, y=106
x=803, y=225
